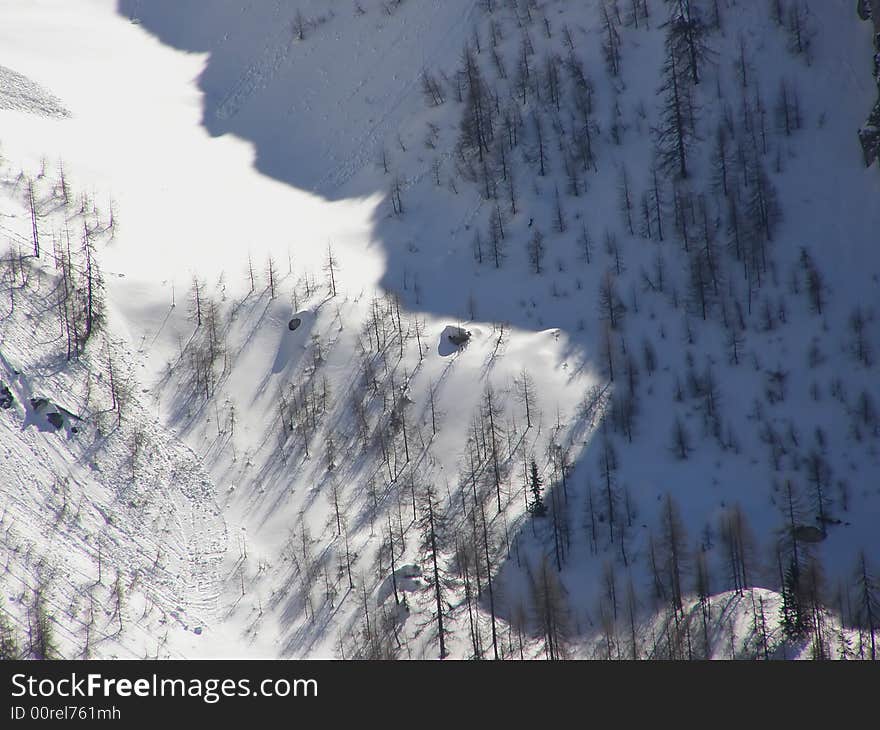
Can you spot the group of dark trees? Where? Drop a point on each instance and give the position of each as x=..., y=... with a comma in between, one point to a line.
x=206, y=352
x=470, y=522
x=38, y=641
x=78, y=287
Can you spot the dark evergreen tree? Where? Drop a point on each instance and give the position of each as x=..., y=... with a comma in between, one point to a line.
x=536, y=506
x=791, y=559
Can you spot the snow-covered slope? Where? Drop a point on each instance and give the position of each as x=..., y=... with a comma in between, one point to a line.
x=307, y=198
x=110, y=523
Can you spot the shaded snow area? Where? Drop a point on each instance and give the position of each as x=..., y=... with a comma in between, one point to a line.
x=407, y=329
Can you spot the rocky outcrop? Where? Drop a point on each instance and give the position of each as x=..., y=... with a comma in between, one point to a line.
x=458, y=336
x=6, y=398
x=54, y=414
x=869, y=134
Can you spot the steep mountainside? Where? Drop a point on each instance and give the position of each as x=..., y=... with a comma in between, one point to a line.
x=410, y=329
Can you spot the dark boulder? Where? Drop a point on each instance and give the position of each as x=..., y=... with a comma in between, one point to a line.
x=6, y=397
x=453, y=339
x=55, y=418
x=459, y=337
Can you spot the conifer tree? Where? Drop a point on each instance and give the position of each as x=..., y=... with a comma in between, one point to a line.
x=537, y=506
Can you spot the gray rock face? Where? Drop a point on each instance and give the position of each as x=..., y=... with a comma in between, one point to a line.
x=453, y=339
x=6, y=397
x=55, y=415
x=459, y=337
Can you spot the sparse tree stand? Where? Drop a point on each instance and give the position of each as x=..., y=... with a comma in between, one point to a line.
x=391, y=550
x=537, y=506
x=429, y=529
x=331, y=266
x=525, y=388
x=93, y=285
x=674, y=542
x=396, y=200
x=41, y=634
x=686, y=36
x=196, y=299
x=489, y=580
x=493, y=412
x=9, y=646
x=793, y=611
x=536, y=250
x=270, y=276
x=548, y=597
x=868, y=600
x=610, y=42
x=35, y=234
x=676, y=131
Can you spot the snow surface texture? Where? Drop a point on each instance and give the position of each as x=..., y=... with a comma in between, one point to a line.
x=20, y=93
x=277, y=473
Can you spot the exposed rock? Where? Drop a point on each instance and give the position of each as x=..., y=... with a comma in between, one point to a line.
x=453, y=340
x=458, y=336
x=6, y=397
x=55, y=415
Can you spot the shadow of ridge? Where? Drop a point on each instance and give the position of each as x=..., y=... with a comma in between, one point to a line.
x=247, y=85
x=268, y=88
x=263, y=84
